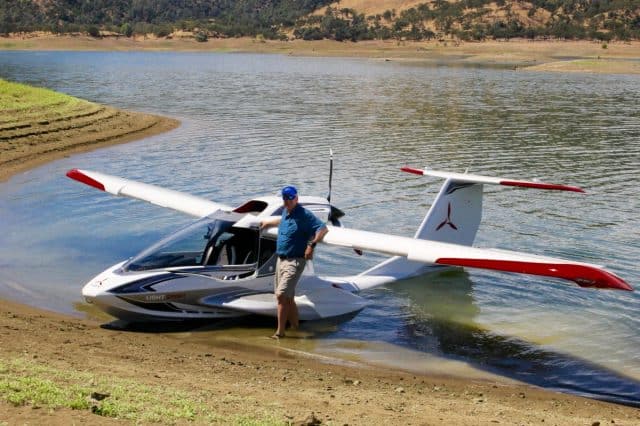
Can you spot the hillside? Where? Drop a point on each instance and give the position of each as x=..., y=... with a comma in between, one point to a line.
x=322, y=19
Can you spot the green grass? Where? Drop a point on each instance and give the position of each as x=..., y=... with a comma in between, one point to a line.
x=21, y=103
x=24, y=382
x=20, y=97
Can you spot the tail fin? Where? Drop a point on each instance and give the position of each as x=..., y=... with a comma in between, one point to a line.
x=454, y=216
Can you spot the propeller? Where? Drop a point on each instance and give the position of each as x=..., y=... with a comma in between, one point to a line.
x=335, y=213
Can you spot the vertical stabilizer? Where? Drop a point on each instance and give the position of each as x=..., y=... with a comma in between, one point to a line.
x=454, y=217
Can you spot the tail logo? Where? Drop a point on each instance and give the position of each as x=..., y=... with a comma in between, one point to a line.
x=447, y=221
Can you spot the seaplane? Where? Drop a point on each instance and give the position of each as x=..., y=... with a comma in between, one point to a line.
x=222, y=265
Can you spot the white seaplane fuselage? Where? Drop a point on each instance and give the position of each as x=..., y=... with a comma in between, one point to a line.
x=187, y=286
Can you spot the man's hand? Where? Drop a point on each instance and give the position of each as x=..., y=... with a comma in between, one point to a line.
x=308, y=253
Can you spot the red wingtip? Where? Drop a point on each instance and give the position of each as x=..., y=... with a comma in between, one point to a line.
x=541, y=185
x=81, y=177
x=583, y=275
x=412, y=170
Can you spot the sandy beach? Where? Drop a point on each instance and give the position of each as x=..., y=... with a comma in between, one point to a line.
x=59, y=369
x=232, y=383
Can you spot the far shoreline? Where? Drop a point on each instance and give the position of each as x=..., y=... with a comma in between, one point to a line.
x=534, y=55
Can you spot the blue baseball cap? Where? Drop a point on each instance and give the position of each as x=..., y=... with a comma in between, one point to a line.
x=289, y=192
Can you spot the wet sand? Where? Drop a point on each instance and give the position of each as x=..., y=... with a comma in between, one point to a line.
x=231, y=381
x=267, y=382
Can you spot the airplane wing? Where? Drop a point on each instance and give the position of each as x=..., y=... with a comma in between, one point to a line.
x=433, y=252
x=185, y=203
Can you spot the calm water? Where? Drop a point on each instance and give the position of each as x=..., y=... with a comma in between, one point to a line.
x=252, y=123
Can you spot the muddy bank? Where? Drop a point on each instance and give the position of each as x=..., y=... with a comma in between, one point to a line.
x=231, y=383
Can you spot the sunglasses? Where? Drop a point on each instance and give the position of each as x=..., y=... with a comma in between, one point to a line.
x=288, y=197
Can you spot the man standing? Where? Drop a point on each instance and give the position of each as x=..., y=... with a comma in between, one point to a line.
x=298, y=232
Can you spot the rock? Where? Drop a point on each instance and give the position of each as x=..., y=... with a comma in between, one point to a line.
x=596, y=423
x=399, y=389
x=99, y=396
x=311, y=420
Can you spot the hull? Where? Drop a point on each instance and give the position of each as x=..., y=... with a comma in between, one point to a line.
x=196, y=295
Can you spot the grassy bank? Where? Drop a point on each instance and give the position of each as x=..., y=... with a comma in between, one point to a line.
x=29, y=382
x=39, y=125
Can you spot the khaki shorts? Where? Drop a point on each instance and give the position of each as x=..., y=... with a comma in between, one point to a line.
x=288, y=272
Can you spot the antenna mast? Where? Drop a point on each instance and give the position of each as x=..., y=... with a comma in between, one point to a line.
x=330, y=173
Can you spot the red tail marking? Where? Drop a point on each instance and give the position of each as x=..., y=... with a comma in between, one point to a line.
x=81, y=177
x=538, y=185
x=412, y=170
x=584, y=276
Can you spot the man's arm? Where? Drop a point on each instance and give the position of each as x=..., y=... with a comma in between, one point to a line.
x=271, y=221
x=320, y=233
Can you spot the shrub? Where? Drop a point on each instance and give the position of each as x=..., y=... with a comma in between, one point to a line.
x=93, y=31
x=126, y=29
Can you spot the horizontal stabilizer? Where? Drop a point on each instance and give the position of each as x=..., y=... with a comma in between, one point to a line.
x=185, y=203
x=469, y=178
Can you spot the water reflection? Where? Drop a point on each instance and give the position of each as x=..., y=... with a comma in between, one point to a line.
x=442, y=319
x=440, y=327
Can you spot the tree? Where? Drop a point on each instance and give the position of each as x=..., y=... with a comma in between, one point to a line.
x=201, y=36
x=126, y=29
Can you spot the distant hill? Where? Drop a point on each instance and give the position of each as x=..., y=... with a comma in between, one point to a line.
x=161, y=17
x=322, y=19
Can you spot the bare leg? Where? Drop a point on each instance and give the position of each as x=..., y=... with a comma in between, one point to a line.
x=283, y=313
x=293, y=314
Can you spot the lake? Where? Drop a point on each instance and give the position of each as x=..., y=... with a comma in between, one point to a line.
x=252, y=123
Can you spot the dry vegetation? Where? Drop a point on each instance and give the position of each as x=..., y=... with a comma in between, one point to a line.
x=369, y=7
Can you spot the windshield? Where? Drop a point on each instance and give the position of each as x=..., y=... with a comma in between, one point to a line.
x=212, y=241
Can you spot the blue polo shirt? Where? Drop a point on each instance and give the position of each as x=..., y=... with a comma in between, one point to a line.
x=295, y=231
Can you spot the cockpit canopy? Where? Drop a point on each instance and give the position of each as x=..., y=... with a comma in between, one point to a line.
x=213, y=241
x=216, y=242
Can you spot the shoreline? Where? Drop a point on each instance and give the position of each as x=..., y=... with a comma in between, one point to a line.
x=230, y=382
x=29, y=161
x=538, y=55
